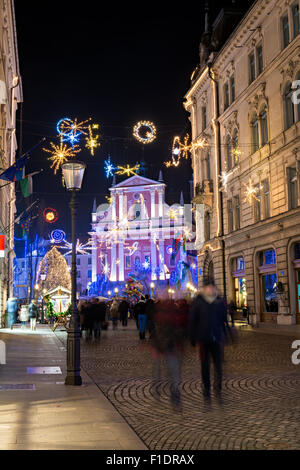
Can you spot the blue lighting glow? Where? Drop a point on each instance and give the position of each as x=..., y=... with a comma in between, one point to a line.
x=109, y=168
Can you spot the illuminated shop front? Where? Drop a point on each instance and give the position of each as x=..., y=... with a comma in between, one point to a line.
x=268, y=284
x=296, y=265
x=239, y=283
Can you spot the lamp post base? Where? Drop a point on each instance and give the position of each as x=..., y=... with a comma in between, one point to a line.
x=73, y=380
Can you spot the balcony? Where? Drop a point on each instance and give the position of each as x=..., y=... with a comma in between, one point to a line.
x=204, y=193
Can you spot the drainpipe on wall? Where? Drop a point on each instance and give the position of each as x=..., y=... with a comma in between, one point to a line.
x=220, y=213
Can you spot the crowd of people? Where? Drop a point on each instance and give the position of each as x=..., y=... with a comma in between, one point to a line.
x=168, y=326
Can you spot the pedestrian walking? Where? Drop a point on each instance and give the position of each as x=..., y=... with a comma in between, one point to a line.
x=24, y=315
x=32, y=314
x=231, y=311
x=123, y=311
x=207, y=323
x=142, y=317
x=149, y=310
x=99, y=318
x=114, y=313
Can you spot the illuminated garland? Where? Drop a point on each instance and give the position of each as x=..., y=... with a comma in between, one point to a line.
x=149, y=136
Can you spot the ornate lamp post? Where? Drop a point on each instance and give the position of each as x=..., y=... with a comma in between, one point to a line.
x=152, y=286
x=73, y=172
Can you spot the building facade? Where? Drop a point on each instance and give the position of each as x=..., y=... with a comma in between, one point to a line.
x=246, y=178
x=138, y=232
x=10, y=96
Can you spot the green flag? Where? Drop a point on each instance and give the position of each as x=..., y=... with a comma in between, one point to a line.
x=26, y=186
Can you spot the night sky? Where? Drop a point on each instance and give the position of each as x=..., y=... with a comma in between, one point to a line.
x=118, y=66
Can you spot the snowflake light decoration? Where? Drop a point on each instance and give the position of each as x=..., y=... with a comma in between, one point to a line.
x=251, y=192
x=109, y=167
x=81, y=248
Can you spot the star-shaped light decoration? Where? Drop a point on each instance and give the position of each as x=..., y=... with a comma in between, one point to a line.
x=92, y=141
x=60, y=154
x=251, y=192
x=109, y=167
x=128, y=171
x=81, y=248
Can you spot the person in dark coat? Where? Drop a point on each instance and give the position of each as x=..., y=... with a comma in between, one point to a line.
x=207, y=325
x=142, y=317
x=123, y=311
x=99, y=317
x=149, y=310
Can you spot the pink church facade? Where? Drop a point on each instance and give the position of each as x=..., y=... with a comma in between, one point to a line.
x=137, y=228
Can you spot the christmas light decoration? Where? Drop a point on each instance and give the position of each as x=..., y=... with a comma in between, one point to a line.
x=132, y=249
x=149, y=134
x=183, y=149
x=81, y=248
x=50, y=215
x=92, y=140
x=251, y=191
x=55, y=267
x=128, y=171
x=57, y=236
x=236, y=152
x=109, y=168
x=70, y=130
x=60, y=154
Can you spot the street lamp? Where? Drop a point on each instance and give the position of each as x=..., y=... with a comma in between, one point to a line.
x=73, y=172
x=116, y=291
x=43, y=278
x=152, y=286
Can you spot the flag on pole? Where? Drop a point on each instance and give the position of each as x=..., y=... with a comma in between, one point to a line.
x=15, y=171
x=2, y=246
x=27, y=184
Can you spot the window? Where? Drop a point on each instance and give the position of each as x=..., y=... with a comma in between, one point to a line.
x=296, y=22
x=235, y=146
x=285, y=30
x=257, y=205
x=89, y=273
x=78, y=261
x=128, y=262
x=207, y=161
x=254, y=133
x=237, y=212
x=207, y=226
x=239, y=264
x=268, y=257
x=297, y=250
x=288, y=106
x=23, y=264
x=266, y=189
x=89, y=260
x=78, y=274
x=263, y=125
x=228, y=153
x=232, y=89
x=230, y=215
x=269, y=294
x=226, y=96
x=251, y=68
x=204, y=123
x=259, y=55
x=292, y=187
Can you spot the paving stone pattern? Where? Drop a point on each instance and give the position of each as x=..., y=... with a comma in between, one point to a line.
x=261, y=408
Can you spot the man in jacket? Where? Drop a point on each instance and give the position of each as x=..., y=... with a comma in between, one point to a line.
x=123, y=311
x=207, y=325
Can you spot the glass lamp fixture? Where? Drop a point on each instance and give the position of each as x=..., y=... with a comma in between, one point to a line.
x=73, y=172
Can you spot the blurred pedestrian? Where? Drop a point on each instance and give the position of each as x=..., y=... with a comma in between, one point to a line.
x=231, y=311
x=142, y=317
x=32, y=314
x=114, y=313
x=23, y=315
x=207, y=323
x=149, y=310
x=99, y=318
x=123, y=311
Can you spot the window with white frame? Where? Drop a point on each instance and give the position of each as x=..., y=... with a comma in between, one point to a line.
x=263, y=118
x=254, y=133
x=289, y=113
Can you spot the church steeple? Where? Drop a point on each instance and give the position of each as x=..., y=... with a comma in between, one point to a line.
x=94, y=206
x=160, y=177
x=204, y=49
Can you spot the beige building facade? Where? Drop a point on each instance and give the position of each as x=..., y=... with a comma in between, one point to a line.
x=10, y=96
x=247, y=177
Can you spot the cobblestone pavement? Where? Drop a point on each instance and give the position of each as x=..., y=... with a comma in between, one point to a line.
x=261, y=408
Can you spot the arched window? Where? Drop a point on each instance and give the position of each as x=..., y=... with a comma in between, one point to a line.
x=229, y=153
x=263, y=125
x=254, y=133
x=289, y=115
x=235, y=141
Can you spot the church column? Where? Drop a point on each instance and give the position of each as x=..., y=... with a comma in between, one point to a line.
x=153, y=215
x=113, y=207
x=160, y=203
x=121, y=263
x=113, y=259
x=94, y=258
x=161, y=260
x=153, y=259
x=121, y=206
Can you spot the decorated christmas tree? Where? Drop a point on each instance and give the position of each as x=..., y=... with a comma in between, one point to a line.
x=55, y=266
